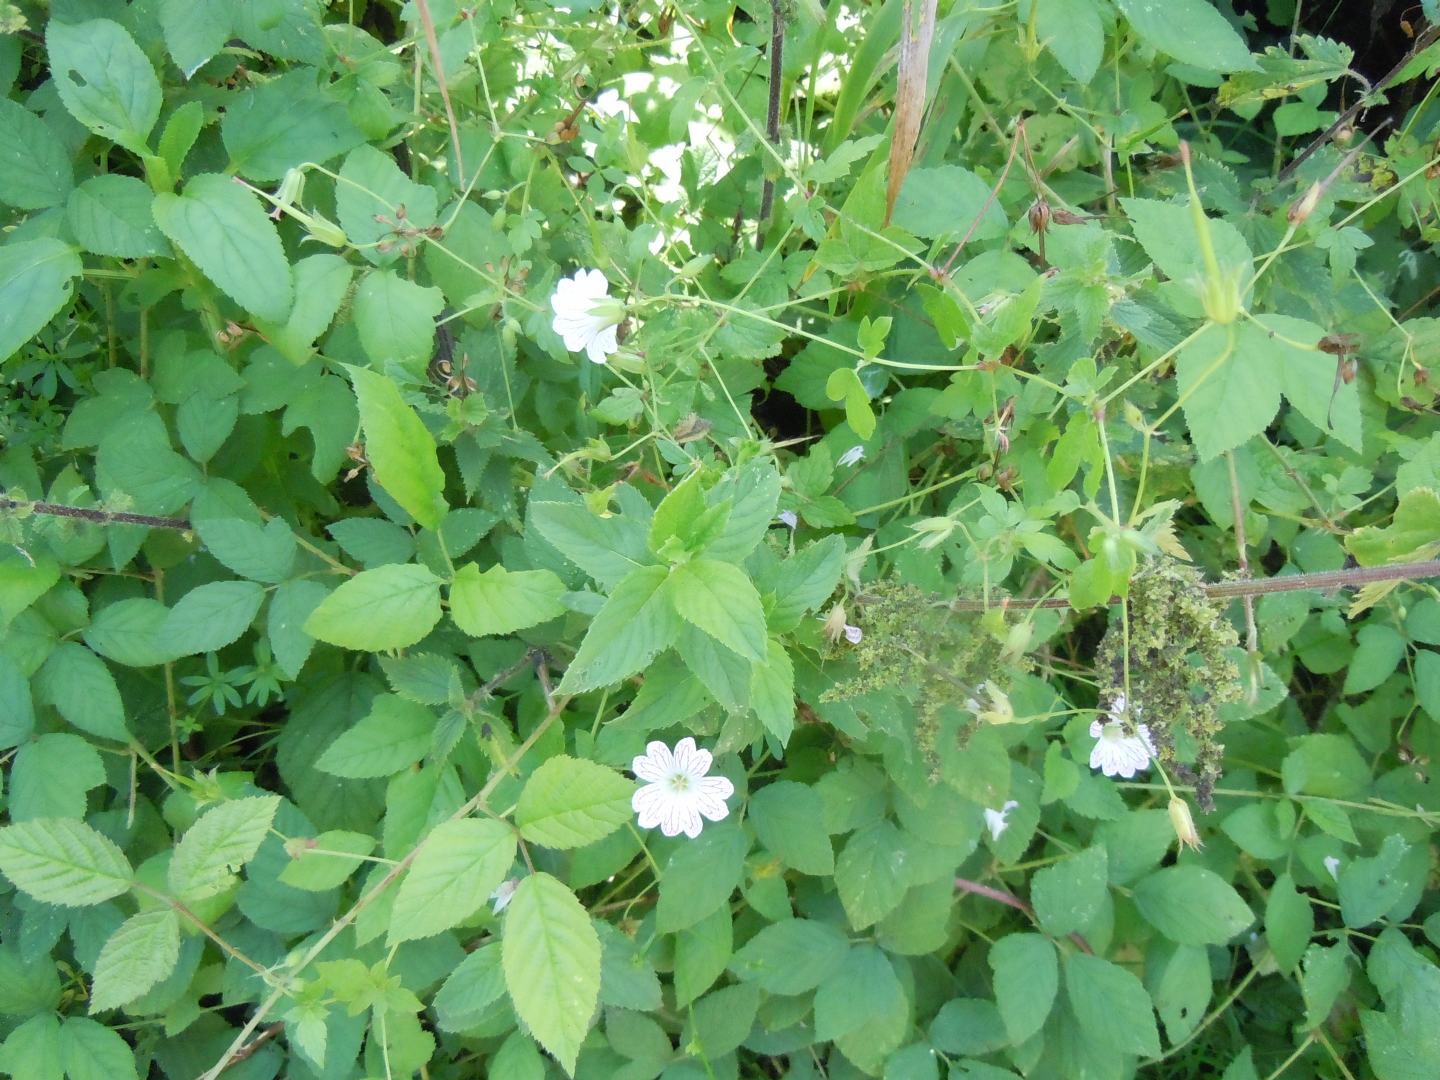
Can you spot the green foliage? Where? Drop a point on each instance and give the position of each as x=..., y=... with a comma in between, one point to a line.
x=343, y=603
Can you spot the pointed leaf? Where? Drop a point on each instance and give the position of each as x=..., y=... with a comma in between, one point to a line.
x=63, y=861
x=390, y=607
x=460, y=865
x=142, y=951
x=400, y=448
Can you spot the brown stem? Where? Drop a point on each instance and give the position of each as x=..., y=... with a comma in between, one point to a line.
x=772, y=118
x=98, y=517
x=249, y=1048
x=423, y=7
x=1000, y=896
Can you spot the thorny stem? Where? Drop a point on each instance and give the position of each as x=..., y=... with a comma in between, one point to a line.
x=98, y=517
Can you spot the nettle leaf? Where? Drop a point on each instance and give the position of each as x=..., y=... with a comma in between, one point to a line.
x=111, y=215
x=461, y=864
x=390, y=607
x=141, y=952
x=1027, y=976
x=607, y=550
x=551, y=956
x=719, y=599
x=637, y=621
x=225, y=838
x=501, y=601
x=393, y=736
x=222, y=229
x=105, y=80
x=34, y=168
x=1230, y=380
x=63, y=861
x=35, y=278
x=569, y=802
x=1192, y=906
x=400, y=448
x=208, y=618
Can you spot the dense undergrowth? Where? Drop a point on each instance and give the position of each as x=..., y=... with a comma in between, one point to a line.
x=421, y=420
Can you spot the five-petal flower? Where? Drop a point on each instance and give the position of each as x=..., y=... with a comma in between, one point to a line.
x=677, y=793
x=1122, y=749
x=586, y=316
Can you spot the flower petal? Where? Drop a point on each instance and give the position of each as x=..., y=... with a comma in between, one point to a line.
x=717, y=787
x=602, y=345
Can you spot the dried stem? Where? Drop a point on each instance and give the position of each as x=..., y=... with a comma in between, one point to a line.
x=423, y=6
x=97, y=517
x=772, y=117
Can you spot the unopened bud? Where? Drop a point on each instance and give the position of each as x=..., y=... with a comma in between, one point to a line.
x=327, y=232
x=933, y=531
x=1304, y=206
x=1039, y=216
x=835, y=624
x=288, y=194
x=1184, y=824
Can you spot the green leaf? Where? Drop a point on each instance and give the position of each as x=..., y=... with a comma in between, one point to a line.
x=677, y=513
x=637, y=621
x=471, y=987
x=1308, y=376
x=393, y=736
x=844, y=385
x=701, y=953
x=863, y=998
x=110, y=215
x=1111, y=1006
x=222, y=229
x=372, y=186
x=400, y=448
x=390, y=607
x=1411, y=534
x=789, y=819
x=26, y=988
x=17, y=707
x=327, y=860
x=1370, y=888
x=195, y=30
x=753, y=492
x=1168, y=233
x=284, y=122
x=569, y=802
x=1323, y=978
x=805, y=581
x=719, y=1022
x=1229, y=379
x=1181, y=984
x=92, y=1051
x=501, y=601
x=104, y=80
x=142, y=951
x=34, y=285
x=230, y=527
x=32, y=1050
x=1378, y=652
x=552, y=965
x=1289, y=922
x=51, y=776
x=321, y=284
x=700, y=876
x=80, y=686
x=461, y=864
x=1192, y=906
x=719, y=599
x=968, y=1026
x=792, y=956
x=1027, y=976
x=607, y=550
x=1326, y=765
x=1071, y=30
x=772, y=692
x=1191, y=31
x=1070, y=893
x=870, y=874
x=396, y=319
x=225, y=838
x=289, y=608
x=34, y=169
x=208, y=618
x=63, y=861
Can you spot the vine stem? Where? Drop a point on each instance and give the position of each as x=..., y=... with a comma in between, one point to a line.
x=1000, y=896
x=1226, y=590
x=97, y=517
x=342, y=923
x=772, y=118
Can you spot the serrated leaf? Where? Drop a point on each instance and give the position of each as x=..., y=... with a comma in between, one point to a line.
x=1229, y=382
x=637, y=621
x=283, y=122
x=1027, y=976
x=93, y=1051
x=224, y=839
x=870, y=874
x=393, y=736
x=34, y=169
x=111, y=215
x=701, y=876
x=390, y=607
x=396, y=319
x=327, y=860
x=1192, y=906
x=1191, y=31
x=569, y=802
x=552, y=965
x=142, y=951
x=209, y=617
x=789, y=819
x=460, y=865
x=471, y=987
x=80, y=686
x=195, y=30
x=500, y=601
x=1289, y=922
x=222, y=229
x=1111, y=1006
x=34, y=285
x=719, y=599
x=63, y=861
x=105, y=80
x=607, y=550
x=792, y=956
x=400, y=448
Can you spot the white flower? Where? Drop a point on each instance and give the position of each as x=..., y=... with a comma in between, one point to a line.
x=585, y=314
x=853, y=634
x=677, y=793
x=852, y=456
x=995, y=819
x=504, y=893
x=788, y=519
x=1332, y=863
x=1119, y=753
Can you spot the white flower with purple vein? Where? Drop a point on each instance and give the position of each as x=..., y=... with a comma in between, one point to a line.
x=677, y=792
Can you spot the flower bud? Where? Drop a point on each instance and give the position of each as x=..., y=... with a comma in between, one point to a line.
x=835, y=624
x=288, y=194
x=1184, y=824
x=327, y=232
x=1304, y=206
x=1039, y=216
